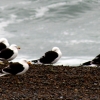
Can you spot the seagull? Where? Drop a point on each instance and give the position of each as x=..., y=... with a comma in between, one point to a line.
x=50, y=57
x=16, y=68
x=9, y=53
x=95, y=61
x=3, y=43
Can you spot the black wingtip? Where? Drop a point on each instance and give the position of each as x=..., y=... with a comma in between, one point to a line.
x=35, y=61
x=87, y=63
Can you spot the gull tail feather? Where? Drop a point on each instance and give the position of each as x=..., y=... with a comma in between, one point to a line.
x=2, y=74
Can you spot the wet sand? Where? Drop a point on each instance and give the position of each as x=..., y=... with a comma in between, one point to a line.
x=47, y=82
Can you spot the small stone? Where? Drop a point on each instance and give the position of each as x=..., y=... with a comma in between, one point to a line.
x=0, y=90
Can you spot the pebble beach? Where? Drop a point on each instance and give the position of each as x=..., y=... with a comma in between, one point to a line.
x=48, y=82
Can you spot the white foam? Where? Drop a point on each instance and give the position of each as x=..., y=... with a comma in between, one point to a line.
x=24, y=2
x=53, y=41
x=42, y=10
x=68, y=61
x=14, y=4
x=72, y=42
x=74, y=2
x=5, y=23
x=3, y=7
x=57, y=5
x=73, y=61
x=81, y=41
x=67, y=33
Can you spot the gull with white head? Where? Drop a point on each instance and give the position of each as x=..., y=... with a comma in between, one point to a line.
x=50, y=57
x=16, y=68
x=9, y=53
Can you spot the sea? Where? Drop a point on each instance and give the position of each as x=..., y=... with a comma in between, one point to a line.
x=39, y=25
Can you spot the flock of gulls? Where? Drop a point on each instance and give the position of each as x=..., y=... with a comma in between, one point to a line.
x=10, y=52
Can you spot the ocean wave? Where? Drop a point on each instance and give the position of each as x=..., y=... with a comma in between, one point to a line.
x=57, y=41
x=66, y=61
x=67, y=33
x=24, y=2
x=57, y=5
x=82, y=41
x=73, y=61
x=5, y=23
x=72, y=42
x=13, y=4
x=68, y=8
x=42, y=10
x=3, y=7
x=74, y=2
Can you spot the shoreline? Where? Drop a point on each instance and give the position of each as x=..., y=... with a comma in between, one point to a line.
x=47, y=82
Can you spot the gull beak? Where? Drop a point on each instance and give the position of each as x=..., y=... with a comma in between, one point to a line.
x=29, y=63
x=18, y=47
